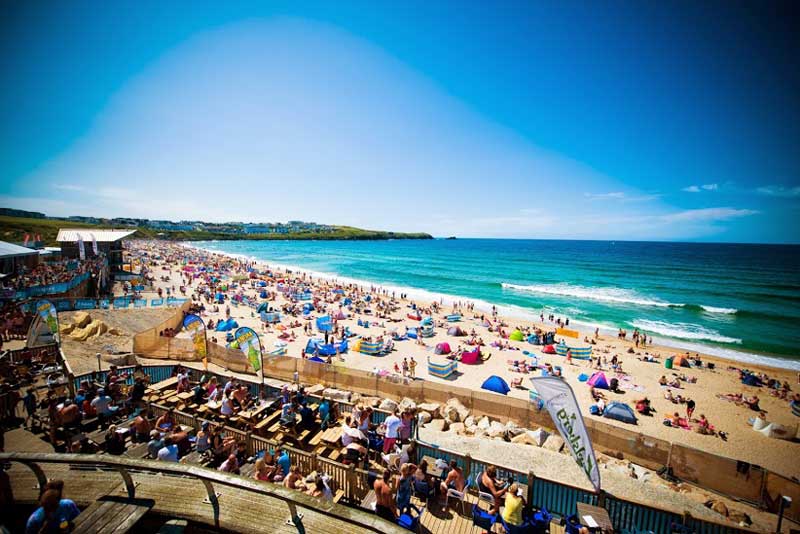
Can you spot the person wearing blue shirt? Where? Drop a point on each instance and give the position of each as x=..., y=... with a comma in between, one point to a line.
x=284, y=462
x=54, y=515
x=324, y=413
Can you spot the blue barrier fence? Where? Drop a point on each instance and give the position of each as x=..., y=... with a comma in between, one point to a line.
x=51, y=289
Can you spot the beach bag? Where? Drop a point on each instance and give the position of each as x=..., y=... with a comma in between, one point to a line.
x=614, y=384
x=594, y=410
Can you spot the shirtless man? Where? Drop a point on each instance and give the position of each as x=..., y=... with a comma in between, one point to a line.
x=455, y=479
x=141, y=426
x=384, y=503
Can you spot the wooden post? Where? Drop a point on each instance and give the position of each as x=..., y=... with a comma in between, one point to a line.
x=351, y=483
x=531, y=482
x=467, y=466
x=601, y=498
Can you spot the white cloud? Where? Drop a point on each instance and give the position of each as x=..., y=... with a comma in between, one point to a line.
x=779, y=191
x=700, y=188
x=69, y=187
x=706, y=215
x=607, y=196
x=622, y=197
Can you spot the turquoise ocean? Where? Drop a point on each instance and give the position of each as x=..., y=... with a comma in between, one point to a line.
x=734, y=300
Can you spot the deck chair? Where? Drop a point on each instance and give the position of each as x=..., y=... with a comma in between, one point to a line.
x=410, y=520
x=459, y=495
x=483, y=519
x=483, y=495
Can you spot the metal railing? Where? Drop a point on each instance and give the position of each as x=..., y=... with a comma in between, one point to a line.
x=292, y=499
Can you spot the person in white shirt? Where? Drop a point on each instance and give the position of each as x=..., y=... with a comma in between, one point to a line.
x=169, y=452
x=227, y=406
x=392, y=428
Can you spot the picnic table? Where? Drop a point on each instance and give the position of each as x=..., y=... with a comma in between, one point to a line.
x=332, y=435
x=368, y=503
x=138, y=450
x=595, y=514
x=112, y=514
x=433, y=471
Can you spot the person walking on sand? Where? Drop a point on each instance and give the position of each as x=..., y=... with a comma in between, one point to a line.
x=690, y=405
x=412, y=366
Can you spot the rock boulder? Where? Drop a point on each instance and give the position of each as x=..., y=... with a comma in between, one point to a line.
x=388, y=405
x=554, y=443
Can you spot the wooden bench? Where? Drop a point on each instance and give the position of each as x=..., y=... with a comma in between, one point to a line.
x=314, y=441
x=112, y=514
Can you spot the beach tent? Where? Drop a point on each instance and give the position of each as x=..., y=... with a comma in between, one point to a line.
x=496, y=384
x=347, y=301
x=456, y=331
x=598, y=380
x=621, y=412
x=774, y=430
x=263, y=294
x=225, y=326
x=549, y=349
x=324, y=323
x=316, y=359
x=444, y=369
x=270, y=317
x=680, y=361
x=442, y=348
x=426, y=321
x=307, y=308
x=471, y=358
x=751, y=380
x=414, y=317
x=516, y=335
x=454, y=318
x=262, y=307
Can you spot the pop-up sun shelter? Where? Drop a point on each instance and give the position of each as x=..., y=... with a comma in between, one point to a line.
x=444, y=369
x=456, y=331
x=598, y=380
x=516, y=335
x=442, y=348
x=324, y=323
x=471, y=358
x=621, y=412
x=549, y=349
x=496, y=384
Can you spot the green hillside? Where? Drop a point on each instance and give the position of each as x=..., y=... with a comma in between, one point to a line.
x=14, y=229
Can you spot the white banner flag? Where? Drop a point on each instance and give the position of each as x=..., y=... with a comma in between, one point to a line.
x=94, y=245
x=560, y=401
x=81, y=250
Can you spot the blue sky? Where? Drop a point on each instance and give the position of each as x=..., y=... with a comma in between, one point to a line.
x=549, y=120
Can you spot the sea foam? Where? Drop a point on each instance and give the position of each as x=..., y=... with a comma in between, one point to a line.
x=683, y=331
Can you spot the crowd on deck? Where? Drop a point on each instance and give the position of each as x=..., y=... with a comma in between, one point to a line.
x=53, y=272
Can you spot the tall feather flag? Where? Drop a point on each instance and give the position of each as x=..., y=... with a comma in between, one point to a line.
x=94, y=245
x=250, y=344
x=81, y=249
x=197, y=331
x=560, y=401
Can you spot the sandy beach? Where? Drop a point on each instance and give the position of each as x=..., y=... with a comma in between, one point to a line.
x=639, y=378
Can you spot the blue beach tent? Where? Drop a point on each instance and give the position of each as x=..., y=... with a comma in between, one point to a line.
x=316, y=359
x=324, y=324
x=496, y=384
x=621, y=412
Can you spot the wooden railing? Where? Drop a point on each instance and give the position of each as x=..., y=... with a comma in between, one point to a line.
x=557, y=497
x=362, y=521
